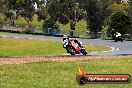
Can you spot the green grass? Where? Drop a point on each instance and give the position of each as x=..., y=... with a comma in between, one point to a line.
x=29, y=47
x=6, y=33
x=96, y=48
x=20, y=47
x=50, y=74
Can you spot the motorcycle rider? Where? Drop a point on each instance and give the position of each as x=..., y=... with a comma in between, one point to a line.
x=117, y=34
x=118, y=37
x=67, y=39
x=73, y=46
x=113, y=32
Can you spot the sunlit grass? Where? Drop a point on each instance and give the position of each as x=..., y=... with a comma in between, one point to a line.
x=97, y=48
x=18, y=47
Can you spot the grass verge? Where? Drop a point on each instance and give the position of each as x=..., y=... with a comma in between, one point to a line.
x=29, y=47
x=53, y=74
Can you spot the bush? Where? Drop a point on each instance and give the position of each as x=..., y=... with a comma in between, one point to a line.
x=28, y=31
x=2, y=17
x=104, y=34
x=128, y=37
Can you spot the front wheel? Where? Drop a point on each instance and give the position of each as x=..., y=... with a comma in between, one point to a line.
x=83, y=51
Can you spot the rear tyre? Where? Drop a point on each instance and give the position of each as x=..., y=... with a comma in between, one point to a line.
x=116, y=39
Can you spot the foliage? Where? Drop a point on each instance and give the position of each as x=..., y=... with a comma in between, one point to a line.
x=23, y=8
x=28, y=30
x=118, y=8
x=105, y=32
x=93, y=15
x=120, y=22
x=65, y=11
x=1, y=18
x=130, y=8
x=81, y=29
x=3, y=7
x=96, y=12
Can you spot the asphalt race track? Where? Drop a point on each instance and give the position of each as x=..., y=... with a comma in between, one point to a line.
x=118, y=48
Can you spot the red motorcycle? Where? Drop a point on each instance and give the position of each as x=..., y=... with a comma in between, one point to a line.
x=74, y=47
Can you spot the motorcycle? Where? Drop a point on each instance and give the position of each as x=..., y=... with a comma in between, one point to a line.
x=118, y=37
x=74, y=47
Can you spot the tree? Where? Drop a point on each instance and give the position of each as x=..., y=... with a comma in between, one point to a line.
x=117, y=1
x=23, y=8
x=41, y=9
x=3, y=7
x=105, y=12
x=118, y=8
x=94, y=17
x=65, y=11
x=120, y=22
x=130, y=7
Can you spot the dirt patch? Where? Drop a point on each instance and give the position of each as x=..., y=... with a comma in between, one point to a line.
x=21, y=60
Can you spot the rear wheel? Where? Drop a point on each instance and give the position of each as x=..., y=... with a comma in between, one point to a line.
x=116, y=39
x=121, y=39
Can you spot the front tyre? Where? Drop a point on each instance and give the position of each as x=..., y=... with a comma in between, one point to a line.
x=121, y=40
x=71, y=51
x=83, y=51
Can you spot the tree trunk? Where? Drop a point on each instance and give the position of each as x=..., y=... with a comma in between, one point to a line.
x=29, y=22
x=72, y=28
